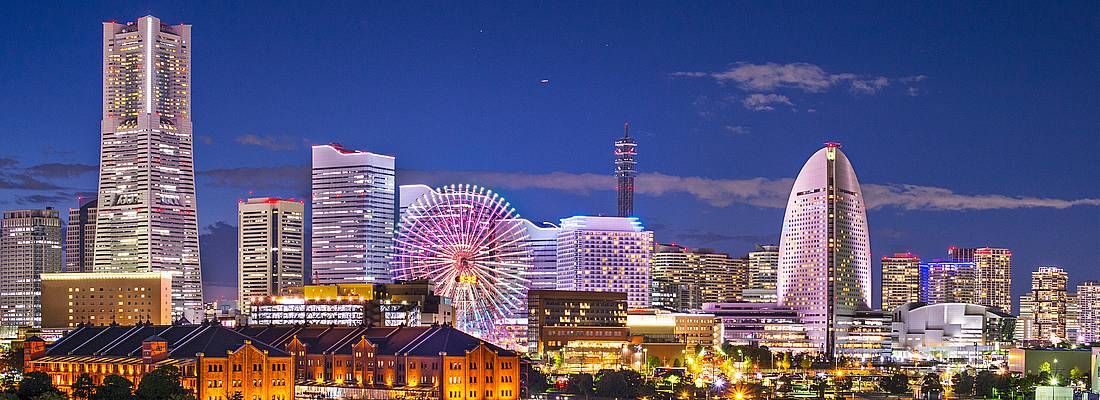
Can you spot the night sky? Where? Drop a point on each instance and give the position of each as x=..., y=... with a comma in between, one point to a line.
x=968, y=125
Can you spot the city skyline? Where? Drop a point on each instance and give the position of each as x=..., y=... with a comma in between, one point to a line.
x=896, y=222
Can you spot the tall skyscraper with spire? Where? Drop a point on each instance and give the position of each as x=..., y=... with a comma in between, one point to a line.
x=626, y=168
x=825, y=250
x=146, y=216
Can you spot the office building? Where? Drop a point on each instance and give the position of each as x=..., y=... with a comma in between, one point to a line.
x=663, y=327
x=354, y=202
x=605, y=254
x=1088, y=311
x=761, y=324
x=763, y=267
x=626, y=169
x=585, y=330
x=215, y=362
x=358, y=304
x=902, y=280
x=950, y=332
x=684, y=278
x=993, y=275
x=824, y=250
x=270, y=248
x=1048, y=293
x=951, y=282
x=80, y=237
x=146, y=218
x=71, y=299
x=1073, y=318
x=30, y=245
x=866, y=338
x=541, y=243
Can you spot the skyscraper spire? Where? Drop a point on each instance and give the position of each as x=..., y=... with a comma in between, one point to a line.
x=626, y=152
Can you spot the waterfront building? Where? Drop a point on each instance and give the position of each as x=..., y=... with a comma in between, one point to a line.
x=867, y=337
x=763, y=269
x=824, y=251
x=585, y=330
x=146, y=216
x=1088, y=309
x=684, y=279
x=949, y=332
x=354, y=215
x=626, y=169
x=993, y=274
x=214, y=362
x=605, y=254
x=364, y=304
x=778, y=328
x=80, y=237
x=1048, y=293
x=902, y=280
x=1025, y=320
x=663, y=327
x=71, y=299
x=541, y=243
x=30, y=245
x=421, y=362
x=952, y=282
x=270, y=246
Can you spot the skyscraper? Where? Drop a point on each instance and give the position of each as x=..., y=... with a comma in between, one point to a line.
x=30, y=245
x=683, y=278
x=146, y=216
x=605, y=254
x=993, y=279
x=763, y=266
x=1048, y=291
x=626, y=168
x=1088, y=312
x=354, y=202
x=80, y=237
x=542, y=244
x=270, y=246
x=824, y=250
x=901, y=280
x=951, y=282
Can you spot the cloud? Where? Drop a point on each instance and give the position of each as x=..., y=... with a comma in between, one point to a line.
x=806, y=77
x=281, y=177
x=705, y=238
x=270, y=142
x=930, y=198
x=737, y=130
x=45, y=200
x=61, y=170
x=7, y=162
x=765, y=102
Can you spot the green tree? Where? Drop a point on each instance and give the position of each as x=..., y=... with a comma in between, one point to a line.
x=11, y=360
x=984, y=383
x=806, y=362
x=896, y=384
x=1076, y=375
x=818, y=386
x=34, y=384
x=612, y=384
x=8, y=396
x=580, y=384
x=114, y=387
x=963, y=383
x=83, y=387
x=51, y=396
x=163, y=383
x=652, y=362
x=537, y=382
x=1045, y=367
x=931, y=386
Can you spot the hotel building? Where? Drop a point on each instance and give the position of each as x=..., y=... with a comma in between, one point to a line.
x=605, y=254
x=824, y=250
x=80, y=237
x=684, y=279
x=761, y=324
x=73, y=299
x=902, y=281
x=993, y=274
x=763, y=268
x=270, y=245
x=1049, y=297
x=30, y=245
x=354, y=203
x=951, y=282
x=146, y=218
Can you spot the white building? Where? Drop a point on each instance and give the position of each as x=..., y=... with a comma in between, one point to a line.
x=354, y=203
x=542, y=245
x=948, y=331
x=605, y=254
x=763, y=268
x=1088, y=312
x=30, y=245
x=760, y=324
x=270, y=246
x=147, y=211
x=824, y=250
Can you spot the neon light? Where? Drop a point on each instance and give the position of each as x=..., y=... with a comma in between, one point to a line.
x=149, y=43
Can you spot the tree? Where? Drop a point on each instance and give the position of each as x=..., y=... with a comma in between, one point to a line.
x=930, y=386
x=11, y=360
x=963, y=383
x=896, y=384
x=83, y=387
x=984, y=384
x=818, y=386
x=51, y=396
x=34, y=384
x=114, y=387
x=806, y=362
x=537, y=382
x=612, y=384
x=163, y=383
x=652, y=362
x=580, y=384
x=1076, y=375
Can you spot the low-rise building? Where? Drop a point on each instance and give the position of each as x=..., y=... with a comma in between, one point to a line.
x=689, y=329
x=391, y=304
x=948, y=331
x=70, y=299
x=577, y=330
x=761, y=324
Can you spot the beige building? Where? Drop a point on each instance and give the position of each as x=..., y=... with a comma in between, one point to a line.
x=270, y=244
x=30, y=244
x=689, y=329
x=993, y=278
x=684, y=279
x=1048, y=291
x=901, y=280
x=102, y=298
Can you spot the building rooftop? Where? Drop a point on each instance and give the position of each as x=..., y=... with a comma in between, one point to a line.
x=416, y=340
x=184, y=341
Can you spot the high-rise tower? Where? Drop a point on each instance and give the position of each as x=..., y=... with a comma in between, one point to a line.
x=30, y=245
x=902, y=281
x=146, y=216
x=993, y=274
x=626, y=168
x=80, y=237
x=270, y=247
x=824, y=250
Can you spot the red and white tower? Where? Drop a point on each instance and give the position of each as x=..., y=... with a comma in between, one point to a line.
x=626, y=152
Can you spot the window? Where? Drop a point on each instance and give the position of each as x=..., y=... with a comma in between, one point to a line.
x=236, y=367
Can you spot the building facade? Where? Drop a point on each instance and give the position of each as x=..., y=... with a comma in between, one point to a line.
x=824, y=250
x=626, y=169
x=80, y=237
x=763, y=267
x=661, y=327
x=949, y=332
x=1088, y=311
x=270, y=246
x=761, y=324
x=902, y=280
x=359, y=304
x=605, y=254
x=585, y=330
x=1049, y=298
x=951, y=282
x=683, y=278
x=73, y=299
x=993, y=274
x=146, y=217
x=354, y=215
x=30, y=245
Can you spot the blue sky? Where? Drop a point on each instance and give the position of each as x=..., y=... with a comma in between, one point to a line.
x=967, y=124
